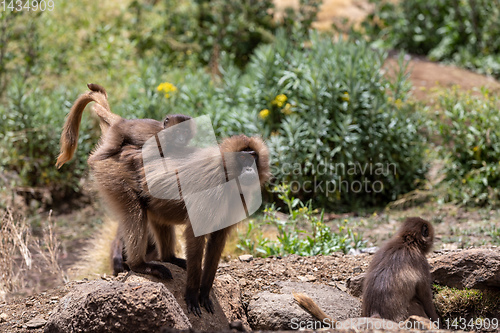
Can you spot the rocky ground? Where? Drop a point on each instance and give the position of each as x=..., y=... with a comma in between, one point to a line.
x=256, y=292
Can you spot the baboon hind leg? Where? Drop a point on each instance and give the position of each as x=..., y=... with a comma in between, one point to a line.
x=136, y=237
x=117, y=256
x=165, y=243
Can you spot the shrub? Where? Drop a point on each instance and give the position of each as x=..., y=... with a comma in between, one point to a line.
x=464, y=32
x=31, y=125
x=328, y=114
x=469, y=129
x=179, y=31
x=301, y=231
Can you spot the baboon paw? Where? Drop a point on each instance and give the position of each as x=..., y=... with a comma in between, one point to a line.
x=207, y=303
x=192, y=304
x=156, y=270
x=117, y=266
x=178, y=262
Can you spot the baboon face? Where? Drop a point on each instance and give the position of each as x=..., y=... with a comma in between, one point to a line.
x=179, y=136
x=246, y=162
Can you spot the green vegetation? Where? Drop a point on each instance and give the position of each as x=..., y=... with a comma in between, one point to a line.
x=320, y=104
x=452, y=303
x=468, y=127
x=464, y=32
x=337, y=129
x=301, y=231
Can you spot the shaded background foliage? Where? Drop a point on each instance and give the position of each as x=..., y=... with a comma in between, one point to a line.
x=463, y=32
x=317, y=100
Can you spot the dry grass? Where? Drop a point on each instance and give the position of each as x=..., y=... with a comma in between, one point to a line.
x=24, y=259
x=15, y=237
x=49, y=249
x=95, y=257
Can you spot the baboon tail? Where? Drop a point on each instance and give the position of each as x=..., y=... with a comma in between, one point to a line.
x=69, y=136
x=310, y=306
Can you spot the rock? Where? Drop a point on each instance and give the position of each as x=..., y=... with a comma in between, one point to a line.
x=228, y=293
x=341, y=287
x=36, y=322
x=3, y=317
x=355, y=285
x=218, y=321
x=268, y=311
x=370, y=250
x=246, y=257
x=237, y=325
x=354, y=252
x=475, y=268
x=307, y=278
x=111, y=306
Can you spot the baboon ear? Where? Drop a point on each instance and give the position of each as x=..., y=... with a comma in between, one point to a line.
x=165, y=122
x=425, y=230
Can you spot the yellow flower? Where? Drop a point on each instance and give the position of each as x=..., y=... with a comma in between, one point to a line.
x=463, y=181
x=476, y=148
x=287, y=109
x=398, y=103
x=279, y=100
x=167, y=88
x=264, y=113
x=345, y=97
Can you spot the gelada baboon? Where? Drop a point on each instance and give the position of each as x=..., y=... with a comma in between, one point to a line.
x=121, y=181
x=125, y=132
x=398, y=281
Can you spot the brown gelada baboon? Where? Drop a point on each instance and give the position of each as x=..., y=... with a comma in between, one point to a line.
x=120, y=174
x=124, y=133
x=398, y=281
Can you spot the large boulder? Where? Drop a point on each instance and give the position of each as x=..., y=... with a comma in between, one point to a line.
x=269, y=311
x=141, y=303
x=475, y=268
x=112, y=306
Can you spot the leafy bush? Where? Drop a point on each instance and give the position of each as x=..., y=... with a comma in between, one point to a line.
x=469, y=129
x=330, y=117
x=464, y=32
x=30, y=123
x=292, y=236
x=179, y=31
